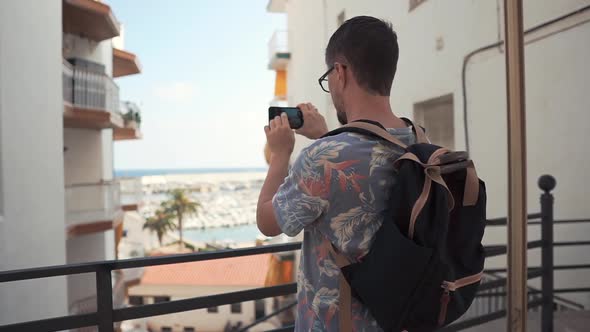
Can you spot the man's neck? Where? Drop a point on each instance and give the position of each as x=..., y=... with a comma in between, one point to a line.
x=375, y=108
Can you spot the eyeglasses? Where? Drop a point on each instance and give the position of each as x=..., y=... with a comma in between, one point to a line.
x=324, y=80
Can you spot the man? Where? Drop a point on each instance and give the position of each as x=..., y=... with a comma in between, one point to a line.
x=337, y=188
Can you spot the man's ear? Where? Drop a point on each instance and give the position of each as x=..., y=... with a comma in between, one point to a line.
x=341, y=72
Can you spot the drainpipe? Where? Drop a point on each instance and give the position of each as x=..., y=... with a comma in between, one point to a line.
x=325, y=7
x=499, y=44
x=499, y=23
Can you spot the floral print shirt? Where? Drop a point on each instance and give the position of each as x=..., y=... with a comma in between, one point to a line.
x=336, y=191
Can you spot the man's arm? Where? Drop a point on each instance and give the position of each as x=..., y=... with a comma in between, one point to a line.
x=265, y=216
x=281, y=141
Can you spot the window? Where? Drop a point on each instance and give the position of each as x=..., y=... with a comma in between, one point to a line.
x=259, y=309
x=213, y=309
x=135, y=300
x=341, y=18
x=415, y=3
x=159, y=299
x=436, y=116
x=236, y=308
x=189, y=329
x=166, y=329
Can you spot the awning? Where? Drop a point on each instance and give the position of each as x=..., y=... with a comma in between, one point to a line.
x=91, y=228
x=125, y=133
x=125, y=63
x=89, y=19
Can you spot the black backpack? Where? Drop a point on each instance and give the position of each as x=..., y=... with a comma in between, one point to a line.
x=425, y=264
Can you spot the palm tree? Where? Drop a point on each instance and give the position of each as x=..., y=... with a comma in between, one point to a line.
x=179, y=206
x=160, y=223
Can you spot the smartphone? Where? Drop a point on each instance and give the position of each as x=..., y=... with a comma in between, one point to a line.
x=293, y=113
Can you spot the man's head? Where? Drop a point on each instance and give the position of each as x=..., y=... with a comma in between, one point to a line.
x=363, y=53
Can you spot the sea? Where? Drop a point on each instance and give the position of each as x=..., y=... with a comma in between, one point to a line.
x=228, y=198
x=134, y=173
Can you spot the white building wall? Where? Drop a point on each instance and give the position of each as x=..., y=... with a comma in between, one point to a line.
x=89, y=155
x=133, y=244
x=423, y=72
x=88, y=160
x=32, y=181
x=88, y=248
x=306, y=39
x=557, y=121
x=119, y=41
x=201, y=320
x=434, y=39
x=108, y=163
x=84, y=156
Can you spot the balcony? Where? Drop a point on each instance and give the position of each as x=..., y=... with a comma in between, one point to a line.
x=125, y=63
x=131, y=193
x=88, y=304
x=89, y=19
x=276, y=6
x=131, y=119
x=91, y=98
x=92, y=208
x=487, y=309
x=278, y=51
x=131, y=249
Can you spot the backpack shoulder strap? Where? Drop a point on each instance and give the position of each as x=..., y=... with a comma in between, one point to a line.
x=344, y=290
x=419, y=131
x=367, y=128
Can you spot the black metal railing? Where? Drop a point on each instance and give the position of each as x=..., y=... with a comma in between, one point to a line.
x=548, y=301
x=106, y=315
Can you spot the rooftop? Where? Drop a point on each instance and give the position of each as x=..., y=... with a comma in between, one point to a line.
x=235, y=271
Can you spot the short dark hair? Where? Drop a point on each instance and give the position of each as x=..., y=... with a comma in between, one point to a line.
x=369, y=45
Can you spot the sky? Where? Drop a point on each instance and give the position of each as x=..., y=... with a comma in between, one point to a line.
x=204, y=89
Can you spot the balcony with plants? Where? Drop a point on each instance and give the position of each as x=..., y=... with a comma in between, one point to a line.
x=131, y=115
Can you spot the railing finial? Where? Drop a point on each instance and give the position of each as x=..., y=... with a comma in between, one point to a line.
x=547, y=183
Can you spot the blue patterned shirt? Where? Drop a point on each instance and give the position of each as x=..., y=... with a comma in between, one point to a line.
x=336, y=191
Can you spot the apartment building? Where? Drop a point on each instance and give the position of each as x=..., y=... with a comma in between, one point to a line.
x=60, y=115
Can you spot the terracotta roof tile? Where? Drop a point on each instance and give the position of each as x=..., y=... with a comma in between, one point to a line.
x=235, y=271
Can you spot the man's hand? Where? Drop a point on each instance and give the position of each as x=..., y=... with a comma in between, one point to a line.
x=314, y=124
x=280, y=136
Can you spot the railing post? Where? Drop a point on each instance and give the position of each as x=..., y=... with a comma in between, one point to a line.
x=547, y=184
x=104, y=299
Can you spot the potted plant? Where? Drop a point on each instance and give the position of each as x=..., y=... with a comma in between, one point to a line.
x=130, y=120
x=132, y=117
x=137, y=118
